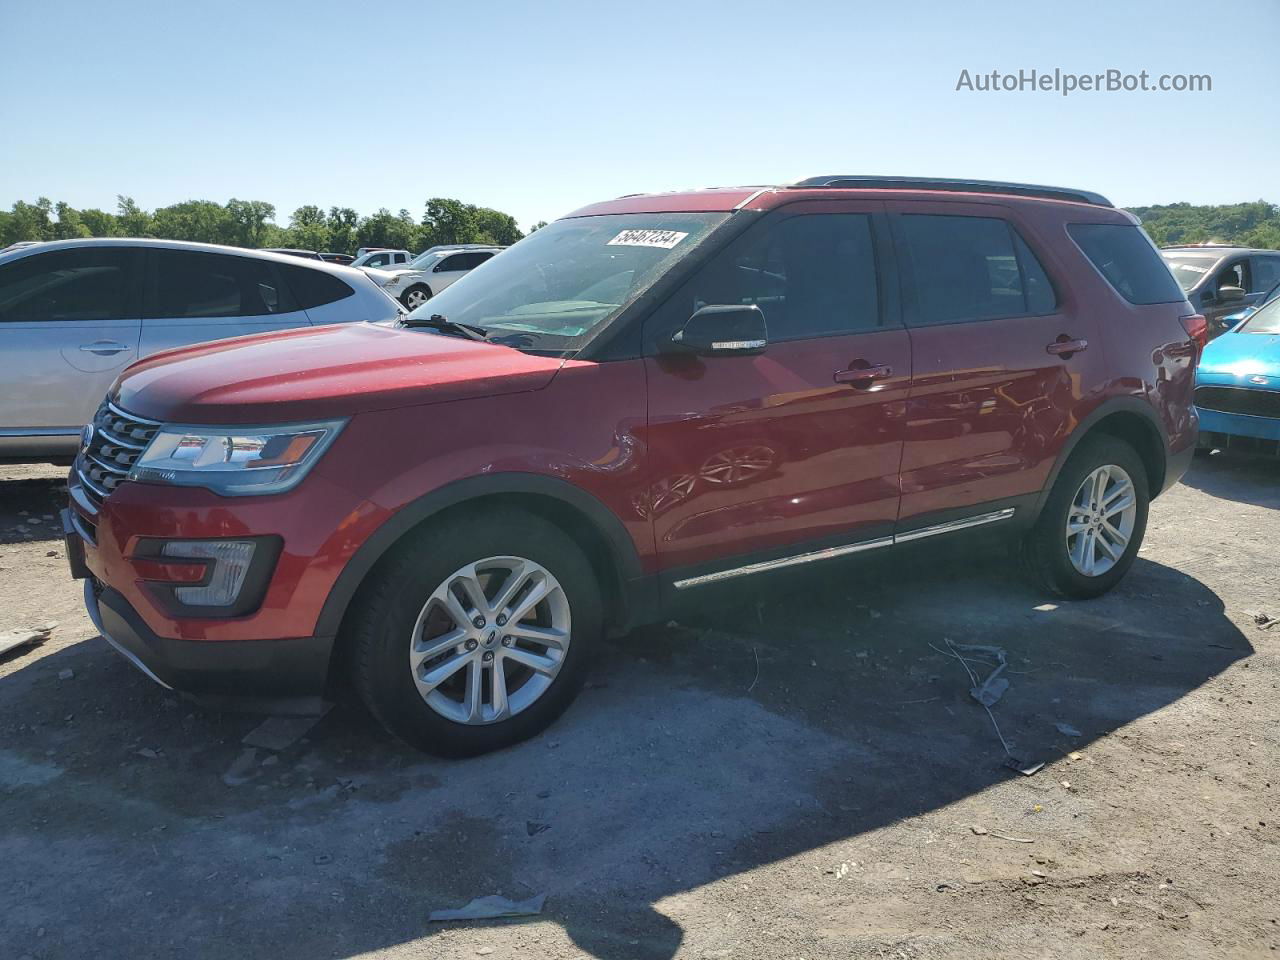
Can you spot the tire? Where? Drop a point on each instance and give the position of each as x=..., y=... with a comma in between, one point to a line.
x=415, y=296
x=1055, y=556
x=409, y=592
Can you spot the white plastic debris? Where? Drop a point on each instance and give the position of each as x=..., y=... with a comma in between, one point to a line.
x=488, y=908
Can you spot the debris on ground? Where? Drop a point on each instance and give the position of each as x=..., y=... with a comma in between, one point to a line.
x=13, y=639
x=1265, y=621
x=989, y=691
x=533, y=827
x=1067, y=730
x=492, y=907
x=242, y=768
x=1001, y=836
x=280, y=733
x=978, y=831
x=66, y=674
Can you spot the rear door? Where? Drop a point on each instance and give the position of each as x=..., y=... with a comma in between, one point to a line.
x=765, y=457
x=68, y=324
x=454, y=266
x=194, y=296
x=1001, y=361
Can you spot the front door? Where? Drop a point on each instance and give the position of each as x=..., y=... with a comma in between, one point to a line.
x=1002, y=365
x=68, y=324
x=768, y=456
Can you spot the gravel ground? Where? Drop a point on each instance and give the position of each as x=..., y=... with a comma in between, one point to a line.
x=801, y=774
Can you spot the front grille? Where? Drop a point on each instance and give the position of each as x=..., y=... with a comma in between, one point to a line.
x=118, y=440
x=1254, y=402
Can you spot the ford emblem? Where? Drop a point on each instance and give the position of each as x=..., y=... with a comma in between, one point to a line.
x=86, y=436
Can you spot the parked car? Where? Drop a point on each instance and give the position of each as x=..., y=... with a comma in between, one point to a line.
x=432, y=271
x=343, y=259
x=382, y=258
x=1221, y=280
x=74, y=313
x=1232, y=319
x=291, y=252
x=634, y=409
x=1238, y=385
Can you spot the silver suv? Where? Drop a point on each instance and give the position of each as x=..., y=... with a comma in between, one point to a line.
x=417, y=281
x=74, y=313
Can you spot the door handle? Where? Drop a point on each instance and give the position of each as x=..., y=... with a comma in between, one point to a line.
x=864, y=375
x=104, y=348
x=1065, y=346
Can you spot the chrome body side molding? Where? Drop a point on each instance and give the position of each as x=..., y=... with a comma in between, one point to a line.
x=830, y=553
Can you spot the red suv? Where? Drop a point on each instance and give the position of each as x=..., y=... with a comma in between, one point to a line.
x=651, y=396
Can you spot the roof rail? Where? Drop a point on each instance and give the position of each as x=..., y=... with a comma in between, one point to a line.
x=956, y=186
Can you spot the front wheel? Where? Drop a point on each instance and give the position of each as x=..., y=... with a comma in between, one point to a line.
x=475, y=635
x=1090, y=530
x=415, y=297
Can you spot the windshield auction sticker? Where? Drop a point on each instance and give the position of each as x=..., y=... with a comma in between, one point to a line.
x=665, y=239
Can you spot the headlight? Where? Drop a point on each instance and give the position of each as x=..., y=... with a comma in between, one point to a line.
x=391, y=281
x=235, y=461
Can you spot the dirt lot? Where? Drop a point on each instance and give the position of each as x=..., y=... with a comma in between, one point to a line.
x=804, y=775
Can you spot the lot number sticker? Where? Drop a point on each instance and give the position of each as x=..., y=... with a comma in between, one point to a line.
x=665, y=239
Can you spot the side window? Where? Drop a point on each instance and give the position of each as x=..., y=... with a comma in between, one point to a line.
x=1041, y=298
x=812, y=275
x=1125, y=256
x=186, y=284
x=91, y=283
x=455, y=262
x=378, y=260
x=399, y=258
x=314, y=288
x=965, y=269
x=1266, y=273
x=1234, y=275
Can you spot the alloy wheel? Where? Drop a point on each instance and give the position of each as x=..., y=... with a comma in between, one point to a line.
x=490, y=640
x=415, y=298
x=1101, y=519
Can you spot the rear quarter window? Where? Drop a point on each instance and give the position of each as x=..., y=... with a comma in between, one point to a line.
x=1126, y=258
x=314, y=288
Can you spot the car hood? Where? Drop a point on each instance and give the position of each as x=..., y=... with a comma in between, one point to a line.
x=383, y=273
x=320, y=373
x=1242, y=359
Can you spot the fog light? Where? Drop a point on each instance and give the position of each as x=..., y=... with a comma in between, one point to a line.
x=229, y=566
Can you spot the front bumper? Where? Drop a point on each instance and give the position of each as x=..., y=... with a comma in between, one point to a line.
x=267, y=676
x=1239, y=432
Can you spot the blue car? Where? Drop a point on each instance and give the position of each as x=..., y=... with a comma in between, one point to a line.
x=1238, y=383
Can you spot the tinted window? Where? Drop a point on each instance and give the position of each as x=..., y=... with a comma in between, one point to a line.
x=1125, y=256
x=188, y=284
x=969, y=268
x=1041, y=298
x=462, y=261
x=85, y=284
x=378, y=260
x=1266, y=273
x=314, y=288
x=812, y=275
x=1235, y=274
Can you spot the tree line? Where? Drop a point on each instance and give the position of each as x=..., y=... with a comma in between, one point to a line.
x=1254, y=224
x=251, y=223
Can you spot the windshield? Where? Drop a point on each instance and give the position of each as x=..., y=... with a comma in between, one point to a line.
x=1266, y=320
x=425, y=259
x=566, y=279
x=1189, y=270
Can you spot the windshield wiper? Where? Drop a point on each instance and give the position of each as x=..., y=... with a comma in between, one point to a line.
x=438, y=321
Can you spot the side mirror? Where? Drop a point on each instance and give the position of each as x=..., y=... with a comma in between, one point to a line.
x=1230, y=294
x=722, y=330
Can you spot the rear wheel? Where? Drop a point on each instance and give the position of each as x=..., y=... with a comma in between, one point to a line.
x=476, y=635
x=1091, y=528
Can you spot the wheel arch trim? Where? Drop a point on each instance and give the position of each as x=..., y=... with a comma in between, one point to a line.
x=604, y=522
x=1089, y=427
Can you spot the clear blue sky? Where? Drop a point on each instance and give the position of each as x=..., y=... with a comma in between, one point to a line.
x=536, y=108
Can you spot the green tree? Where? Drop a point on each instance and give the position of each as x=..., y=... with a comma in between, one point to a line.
x=69, y=225
x=99, y=222
x=202, y=221
x=342, y=223
x=308, y=229
x=250, y=219
x=131, y=219
x=538, y=226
